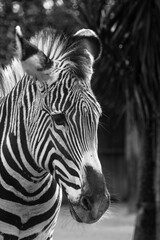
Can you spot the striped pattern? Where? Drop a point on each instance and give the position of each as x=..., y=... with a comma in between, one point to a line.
x=45, y=129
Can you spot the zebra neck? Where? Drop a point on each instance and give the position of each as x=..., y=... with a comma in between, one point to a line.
x=18, y=114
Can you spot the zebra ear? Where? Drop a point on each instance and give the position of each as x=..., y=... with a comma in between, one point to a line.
x=91, y=41
x=34, y=61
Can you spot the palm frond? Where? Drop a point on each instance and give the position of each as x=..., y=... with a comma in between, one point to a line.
x=134, y=34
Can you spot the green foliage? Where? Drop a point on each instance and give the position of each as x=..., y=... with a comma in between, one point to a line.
x=133, y=31
x=32, y=16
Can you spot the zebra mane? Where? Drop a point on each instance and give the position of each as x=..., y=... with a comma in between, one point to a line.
x=9, y=76
x=58, y=47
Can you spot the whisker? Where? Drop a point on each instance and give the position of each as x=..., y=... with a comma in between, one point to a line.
x=105, y=115
x=103, y=127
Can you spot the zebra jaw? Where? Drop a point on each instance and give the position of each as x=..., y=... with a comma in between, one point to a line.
x=74, y=214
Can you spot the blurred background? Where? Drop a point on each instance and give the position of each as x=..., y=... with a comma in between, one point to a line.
x=126, y=82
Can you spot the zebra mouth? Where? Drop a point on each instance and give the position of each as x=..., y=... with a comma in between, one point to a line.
x=74, y=214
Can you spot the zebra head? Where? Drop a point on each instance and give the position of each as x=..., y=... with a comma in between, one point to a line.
x=64, y=128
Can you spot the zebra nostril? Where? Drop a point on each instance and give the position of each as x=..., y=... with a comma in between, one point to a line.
x=86, y=203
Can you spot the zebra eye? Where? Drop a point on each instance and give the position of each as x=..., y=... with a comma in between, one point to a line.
x=59, y=119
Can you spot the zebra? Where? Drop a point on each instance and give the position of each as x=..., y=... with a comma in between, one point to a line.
x=48, y=134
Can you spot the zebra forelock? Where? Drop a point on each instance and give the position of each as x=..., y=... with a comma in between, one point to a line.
x=61, y=48
x=65, y=52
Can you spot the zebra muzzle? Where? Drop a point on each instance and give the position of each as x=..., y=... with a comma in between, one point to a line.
x=94, y=200
x=89, y=211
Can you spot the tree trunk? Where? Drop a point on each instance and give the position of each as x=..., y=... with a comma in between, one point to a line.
x=157, y=180
x=133, y=152
x=146, y=217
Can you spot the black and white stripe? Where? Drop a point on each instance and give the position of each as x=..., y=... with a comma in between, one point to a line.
x=45, y=129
